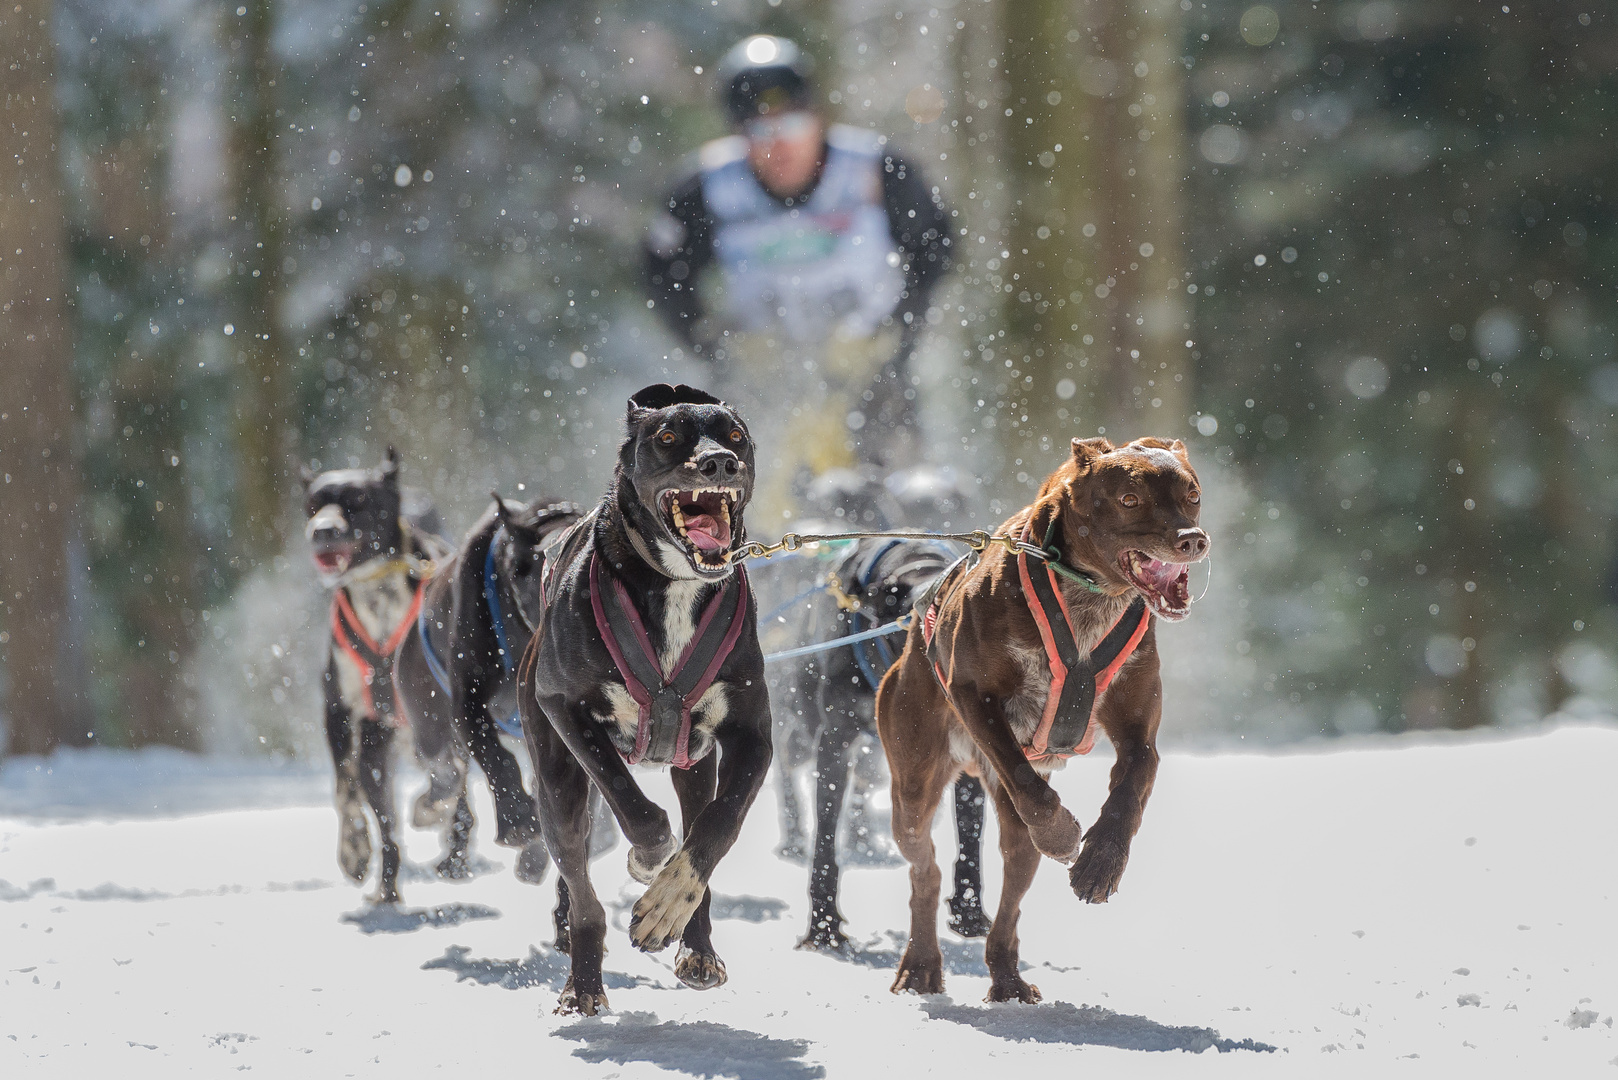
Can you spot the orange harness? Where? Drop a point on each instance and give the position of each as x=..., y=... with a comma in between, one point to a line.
x=374, y=661
x=1067, y=726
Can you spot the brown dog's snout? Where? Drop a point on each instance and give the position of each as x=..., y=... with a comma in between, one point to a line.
x=1192, y=544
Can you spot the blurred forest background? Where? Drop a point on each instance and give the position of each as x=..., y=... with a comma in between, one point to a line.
x=1359, y=255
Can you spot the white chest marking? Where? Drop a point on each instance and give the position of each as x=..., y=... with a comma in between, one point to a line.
x=379, y=605
x=679, y=621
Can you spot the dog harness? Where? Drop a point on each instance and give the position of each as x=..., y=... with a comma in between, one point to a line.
x=374, y=661
x=663, y=733
x=1067, y=726
x=865, y=572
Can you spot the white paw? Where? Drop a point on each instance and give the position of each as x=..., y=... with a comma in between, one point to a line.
x=646, y=863
x=660, y=916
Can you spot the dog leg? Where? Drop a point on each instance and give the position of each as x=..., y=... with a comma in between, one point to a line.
x=966, y=916
x=603, y=830
x=533, y=862
x=662, y=913
x=581, y=921
x=1021, y=862
x=910, y=719
x=697, y=965
x=564, y=939
x=515, y=823
x=790, y=756
x=832, y=775
x=1051, y=826
x=1100, y=866
x=454, y=866
x=433, y=733
x=353, y=834
x=376, y=779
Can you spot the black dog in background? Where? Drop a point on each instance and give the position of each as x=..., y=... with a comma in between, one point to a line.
x=825, y=704
x=875, y=582
x=648, y=653
x=455, y=668
x=377, y=561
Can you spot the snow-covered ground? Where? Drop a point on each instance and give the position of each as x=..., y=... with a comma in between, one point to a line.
x=1402, y=908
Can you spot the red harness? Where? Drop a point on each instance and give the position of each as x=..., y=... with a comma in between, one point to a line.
x=1067, y=726
x=373, y=660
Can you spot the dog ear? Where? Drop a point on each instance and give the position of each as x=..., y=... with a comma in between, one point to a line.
x=663, y=395
x=306, y=475
x=1087, y=451
x=390, y=466
x=502, y=512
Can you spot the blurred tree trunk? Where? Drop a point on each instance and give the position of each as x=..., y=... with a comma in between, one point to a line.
x=266, y=421
x=40, y=493
x=1096, y=137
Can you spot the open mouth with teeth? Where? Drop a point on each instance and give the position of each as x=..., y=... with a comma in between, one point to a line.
x=1166, y=586
x=333, y=560
x=700, y=519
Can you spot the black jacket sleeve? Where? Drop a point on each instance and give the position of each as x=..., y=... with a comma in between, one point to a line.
x=679, y=245
x=919, y=221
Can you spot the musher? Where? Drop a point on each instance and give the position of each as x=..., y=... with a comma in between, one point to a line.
x=821, y=246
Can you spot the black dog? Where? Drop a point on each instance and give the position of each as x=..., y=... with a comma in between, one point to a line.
x=648, y=654
x=456, y=666
x=378, y=563
x=875, y=582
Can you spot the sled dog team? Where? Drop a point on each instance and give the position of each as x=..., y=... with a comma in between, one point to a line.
x=627, y=634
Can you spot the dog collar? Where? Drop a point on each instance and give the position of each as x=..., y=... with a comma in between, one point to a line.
x=663, y=731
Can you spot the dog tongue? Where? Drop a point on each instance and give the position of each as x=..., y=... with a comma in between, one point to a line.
x=708, y=532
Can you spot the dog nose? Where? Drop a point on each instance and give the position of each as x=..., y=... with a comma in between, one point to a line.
x=719, y=465
x=1192, y=543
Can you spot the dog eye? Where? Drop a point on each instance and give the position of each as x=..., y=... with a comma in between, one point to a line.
x=1193, y=496
x=735, y=436
x=667, y=438
x=1130, y=499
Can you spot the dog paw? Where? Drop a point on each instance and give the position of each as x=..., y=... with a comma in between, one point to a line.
x=699, y=970
x=825, y=935
x=967, y=919
x=919, y=974
x=425, y=813
x=1059, y=838
x=1095, y=875
x=1013, y=988
x=533, y=862
x=646, y=863
x=516, y=829
x=660, y=915
x=573, y=1003
x=453, y=867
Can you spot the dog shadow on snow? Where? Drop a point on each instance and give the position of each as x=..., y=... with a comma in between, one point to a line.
x=696, y=1048
x=543, y=967
x=393, y=919
x=960, y=957
x=1082, y=1025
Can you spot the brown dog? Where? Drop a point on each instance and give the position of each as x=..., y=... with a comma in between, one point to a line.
x=1014, y=664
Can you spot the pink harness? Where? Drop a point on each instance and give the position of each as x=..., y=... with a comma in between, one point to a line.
x=663, y=734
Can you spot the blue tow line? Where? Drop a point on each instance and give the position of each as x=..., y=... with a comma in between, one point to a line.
x=901, y=623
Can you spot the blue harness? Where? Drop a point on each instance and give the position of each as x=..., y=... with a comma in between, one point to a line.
x=511, y=725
